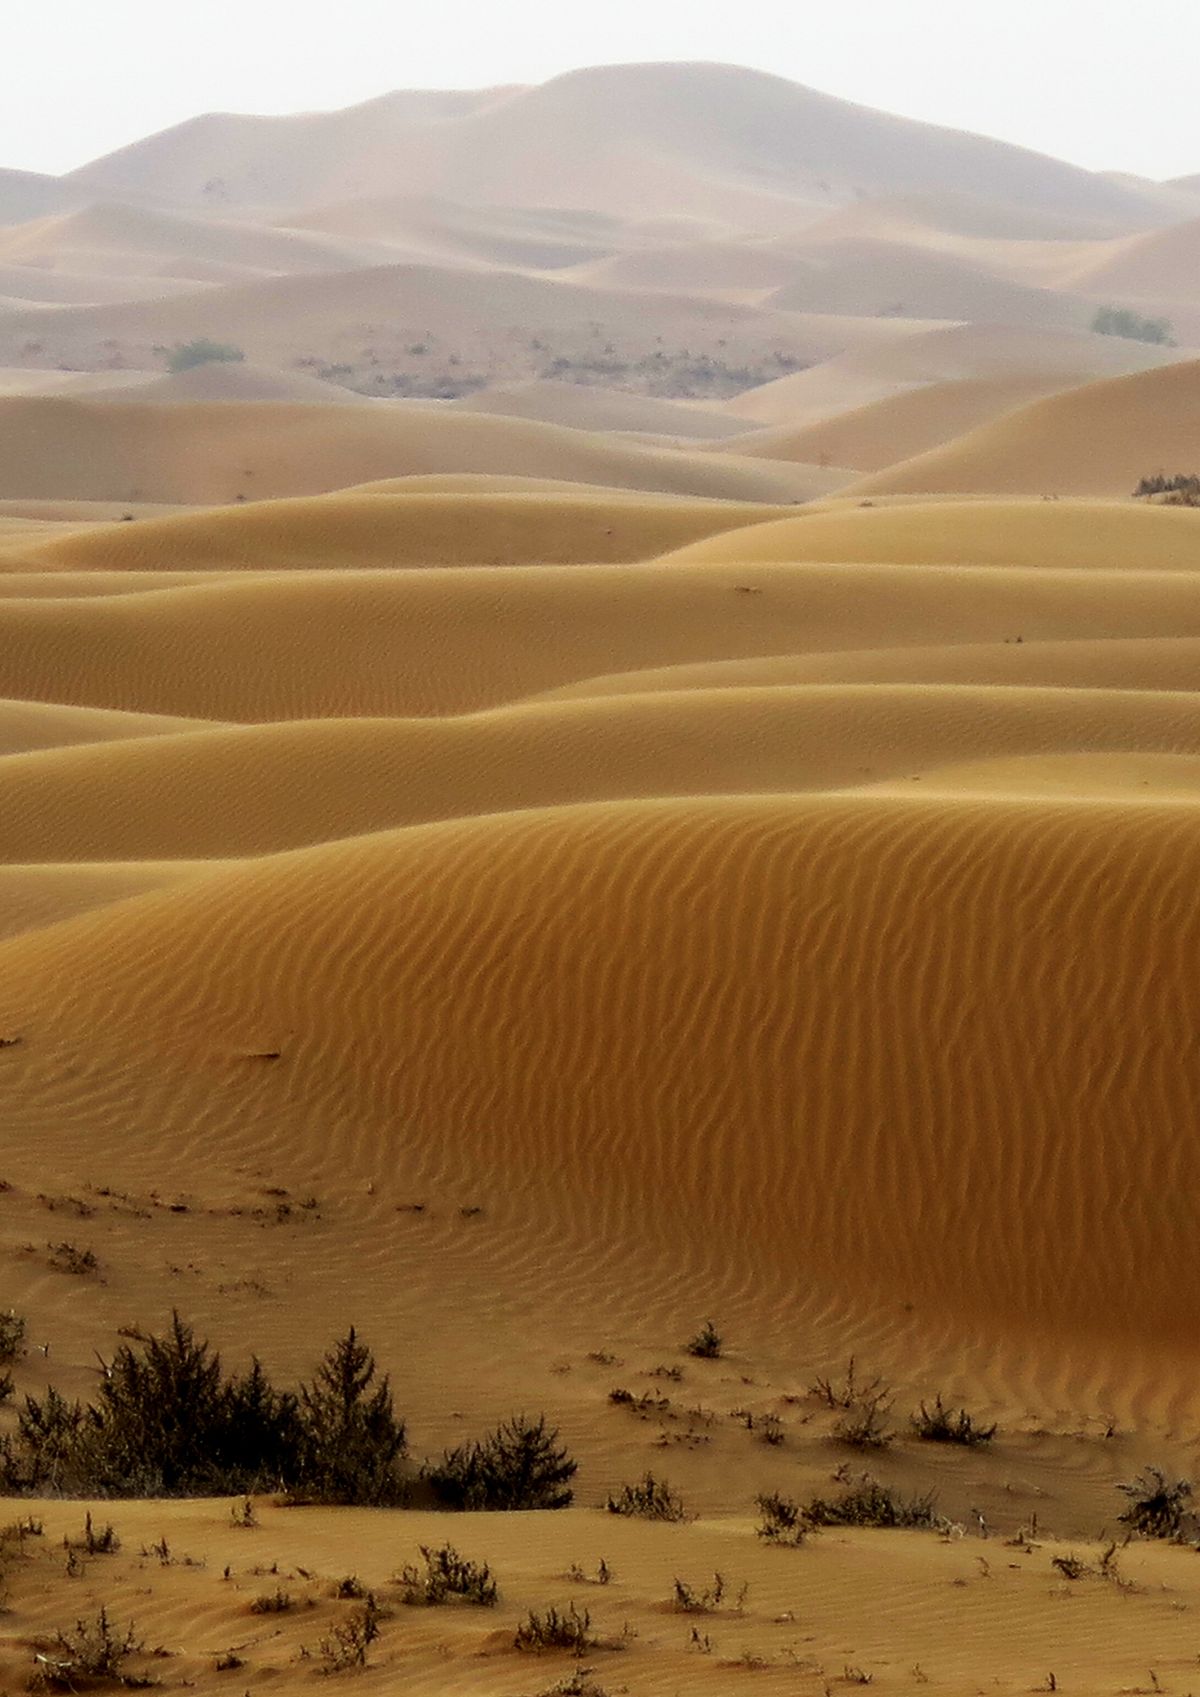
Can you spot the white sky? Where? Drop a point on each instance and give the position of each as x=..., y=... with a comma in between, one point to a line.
x=1105, y=84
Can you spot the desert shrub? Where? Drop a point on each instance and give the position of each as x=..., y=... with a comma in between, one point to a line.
x=350, y=1587
x=648, y=1499
x=202, y=351
x=350, y=1437
x=871, y=1504
x=556, y=1629
x=1119, y=321
x=521, y=1465
x=1071, y=1567
x=864, y=1425
x=941, y=1425
x=347, y=1644
x=95, y=1540
x=1182, y=490
x=447, y=1574
x=92, y=1652
x=692, y=1600
x=168, y=1421
x=1157, y=1507
x=706, y=1345
x=12, y=1337
x=71, y=1258
x=782, y=1520
x=849, y=1389
x=277, y=1602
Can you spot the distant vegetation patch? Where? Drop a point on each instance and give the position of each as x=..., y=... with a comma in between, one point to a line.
x=1119, y=321
x=1182, y=490
x=184, y=355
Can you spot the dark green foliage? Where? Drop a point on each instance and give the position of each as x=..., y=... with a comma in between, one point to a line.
x=871, y=1504
x=1157, y=1506
x=941, y=1425
x=782, y=1521
x=648, y=1499
x=706, y=1345
x=350, y=1438
x=1119, y=321
x=167, y=1421
x=521, y=1465
x=446, y=1574
x=556, y=1629
x=202, y=351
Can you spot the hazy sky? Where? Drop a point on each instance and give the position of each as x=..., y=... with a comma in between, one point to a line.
x=1103, y=84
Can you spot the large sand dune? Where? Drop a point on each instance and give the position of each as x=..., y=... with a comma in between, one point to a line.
x=1100, y=439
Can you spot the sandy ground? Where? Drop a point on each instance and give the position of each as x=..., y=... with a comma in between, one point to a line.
x=634, y=762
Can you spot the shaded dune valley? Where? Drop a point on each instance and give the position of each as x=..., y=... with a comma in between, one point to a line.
x=599, y=849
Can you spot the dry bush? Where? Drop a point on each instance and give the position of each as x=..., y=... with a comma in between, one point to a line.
x=782, y=1520
x=1158, y=1508
x=446, y=1574
x=707, y=1343
x=347, y=1645
x=871, y=1504
x=849, y=1390
x=864, y=1425
x=556, y=1629
x=92, y=1652
x=941, y=1425
x=649, y=1499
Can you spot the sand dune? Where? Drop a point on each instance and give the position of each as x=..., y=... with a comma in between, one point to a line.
x=873, y=276
x=586, y=406
x=712, y=140
x=1100, y=439
x=228, y=380
x=895, y=428
x=203, y=794
x=35, y=896
x=1159, y=265
x=210, y=452
x=380, y=528
x=946, y=354
x=477, y=637
x=539, y=935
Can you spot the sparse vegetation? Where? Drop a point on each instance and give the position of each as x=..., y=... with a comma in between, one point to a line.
x=849, y=1389
x=92, y=1652
x=184, y=355
x=446, y=1574
x=1182, y=490
x=1158, y=1507
x=347, y=1644
x=350, y=1439
x=783, y=1520
x=864, y=1425
x=707, y=1343
x=556, y=1629
x=868, y=1503
x=521, y=1465
x=939, y=1424
x=648, y=1499
x=12, y=1338
x=691, y=1600
x=277, y=1602
x=1119, y=321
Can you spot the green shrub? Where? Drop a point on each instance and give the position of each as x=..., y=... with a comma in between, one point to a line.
x=706, y=1345
x=783, y=1520
x=202, y=351
x=520, y=1465
x=350, y=1438
x=1182, y=490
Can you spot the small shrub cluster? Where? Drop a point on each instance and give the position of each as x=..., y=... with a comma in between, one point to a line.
x=202, y=351
x=1158, y=1507
x=92, y=1652
x=648, y=1499
x=783, y=1521
x=707, y=1343
x=1182, y=490
x=942, y=1425
x=446, y=1574
x=868, y=1503
x=1119, y=321
x=556, y=1629
x=521, y=1465
x=864, y=1425
x=347, y=1644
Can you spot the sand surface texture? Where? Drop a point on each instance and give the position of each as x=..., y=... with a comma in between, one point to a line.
x=634, y=760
